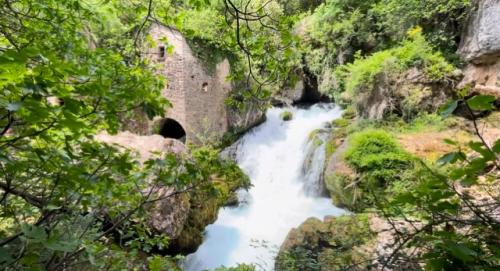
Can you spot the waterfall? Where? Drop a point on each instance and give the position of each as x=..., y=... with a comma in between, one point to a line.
x=285, y=170
x=314, y=162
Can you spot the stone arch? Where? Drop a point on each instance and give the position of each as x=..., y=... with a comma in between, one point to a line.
x=170, y=128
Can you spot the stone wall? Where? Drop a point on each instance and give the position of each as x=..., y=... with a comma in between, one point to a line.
x=197, y=95
x=480, y=48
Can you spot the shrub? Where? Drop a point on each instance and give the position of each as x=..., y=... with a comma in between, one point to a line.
x=380, y=162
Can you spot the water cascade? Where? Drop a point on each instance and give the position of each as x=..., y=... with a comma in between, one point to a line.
x=284, y=163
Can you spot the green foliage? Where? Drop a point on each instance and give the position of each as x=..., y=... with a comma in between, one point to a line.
x=286, y=115
x=262, y=52
x=443, y=209
x=421, y=123
x=442, y=20
x=380, y=161
x=291, y=7
x=70, y=69
x=415, y=52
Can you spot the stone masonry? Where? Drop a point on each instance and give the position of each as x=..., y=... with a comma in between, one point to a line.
x=198, y=96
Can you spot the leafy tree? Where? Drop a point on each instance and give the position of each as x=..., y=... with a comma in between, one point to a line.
x=69, y=69
x=447, y=224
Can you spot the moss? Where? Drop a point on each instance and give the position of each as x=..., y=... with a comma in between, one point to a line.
x=286, y=115
x=349, y=113
x=341, y=123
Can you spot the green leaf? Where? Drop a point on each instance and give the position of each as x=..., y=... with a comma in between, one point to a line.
x=460, y=251
x=481, y=102
x=60, y=245
x=449, y=158
x=34, y=233
x=448, y=108
x=496, y=146
x=450, y=142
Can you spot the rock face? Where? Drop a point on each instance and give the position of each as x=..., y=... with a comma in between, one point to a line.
x=167, y=216
x=406, y=94
x=481, y=42
x=243, y=120
x=480, y=48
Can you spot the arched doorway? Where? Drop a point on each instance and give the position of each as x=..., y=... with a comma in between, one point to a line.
x=170, y=128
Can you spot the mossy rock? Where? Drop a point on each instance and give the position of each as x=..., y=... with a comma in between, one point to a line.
x=332, y=244
x=344, y=191
x=286, y=116
x=340, y=123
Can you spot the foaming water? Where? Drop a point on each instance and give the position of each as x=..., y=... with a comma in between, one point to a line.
x=273, y=156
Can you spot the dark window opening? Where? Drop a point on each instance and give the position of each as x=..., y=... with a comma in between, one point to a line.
x=161, y=52
x=172, y=129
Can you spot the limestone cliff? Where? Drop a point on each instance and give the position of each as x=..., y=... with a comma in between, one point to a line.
x=480, y=48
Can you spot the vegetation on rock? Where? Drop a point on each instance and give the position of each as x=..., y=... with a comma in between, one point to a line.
x=286, y=116
x=332, y=244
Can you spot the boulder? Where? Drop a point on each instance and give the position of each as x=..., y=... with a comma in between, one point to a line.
x=332, y=244
x=168, y=215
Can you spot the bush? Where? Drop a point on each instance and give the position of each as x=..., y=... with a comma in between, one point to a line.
x=380, y=162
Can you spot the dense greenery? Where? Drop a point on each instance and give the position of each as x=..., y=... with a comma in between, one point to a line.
x=71, y=69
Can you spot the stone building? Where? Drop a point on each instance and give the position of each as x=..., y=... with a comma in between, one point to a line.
x=197, y=94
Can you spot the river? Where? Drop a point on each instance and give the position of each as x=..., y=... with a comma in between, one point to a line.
x=274, y=155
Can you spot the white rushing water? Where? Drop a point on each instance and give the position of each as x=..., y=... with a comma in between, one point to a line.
x=273, y=156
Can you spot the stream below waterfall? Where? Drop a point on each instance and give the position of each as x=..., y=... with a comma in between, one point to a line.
x=284, y=194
